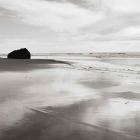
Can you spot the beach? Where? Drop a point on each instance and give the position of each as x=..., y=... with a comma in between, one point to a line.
x=70, y=98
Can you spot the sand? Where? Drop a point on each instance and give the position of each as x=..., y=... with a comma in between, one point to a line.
x=70, y=99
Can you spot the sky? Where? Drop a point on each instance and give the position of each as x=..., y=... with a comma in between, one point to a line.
x=46, y=26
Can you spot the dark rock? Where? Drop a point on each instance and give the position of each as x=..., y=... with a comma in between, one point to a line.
x=19, y=54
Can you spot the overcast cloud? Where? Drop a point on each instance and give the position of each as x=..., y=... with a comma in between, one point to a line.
x=70, y=25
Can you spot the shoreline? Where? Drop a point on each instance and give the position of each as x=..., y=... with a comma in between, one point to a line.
x=75, y=100
x=95, y=54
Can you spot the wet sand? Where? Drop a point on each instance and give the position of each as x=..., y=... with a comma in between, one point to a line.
x=73, y=100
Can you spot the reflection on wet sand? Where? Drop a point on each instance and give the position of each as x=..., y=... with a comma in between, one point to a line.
x=64, y=103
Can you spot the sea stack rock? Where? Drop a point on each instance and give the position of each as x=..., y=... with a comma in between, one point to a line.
x=19, y=54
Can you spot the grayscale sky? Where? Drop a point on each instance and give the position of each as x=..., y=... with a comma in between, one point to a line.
x=70, y=25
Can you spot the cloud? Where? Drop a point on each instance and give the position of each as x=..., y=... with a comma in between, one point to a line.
x=68, y=21
x=122, y=5
x=99, y=16
x=57, y=16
